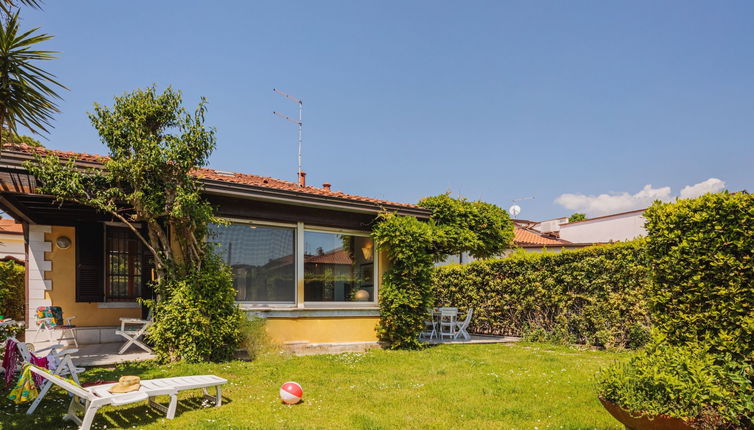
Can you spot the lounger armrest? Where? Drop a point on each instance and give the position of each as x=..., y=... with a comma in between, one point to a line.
x=124, y=399
x=65, y=352
x=68, y=319
x=51, y=348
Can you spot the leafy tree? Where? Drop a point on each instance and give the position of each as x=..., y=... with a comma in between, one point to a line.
x=9, y=137
x=154, y=144
x=479, y=228
x=578, y=216
x=27, y=92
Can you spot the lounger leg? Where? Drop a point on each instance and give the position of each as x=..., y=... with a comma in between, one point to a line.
x=75, y=341
x=86, y=423
x=172, y=406
x=45, y=387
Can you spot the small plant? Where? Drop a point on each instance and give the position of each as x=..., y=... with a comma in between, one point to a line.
x=255, y=339
x=709, y=391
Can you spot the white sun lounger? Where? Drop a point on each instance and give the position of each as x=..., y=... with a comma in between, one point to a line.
x=90, y=399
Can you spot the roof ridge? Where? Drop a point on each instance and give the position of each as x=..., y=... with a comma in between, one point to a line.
x=212, y=174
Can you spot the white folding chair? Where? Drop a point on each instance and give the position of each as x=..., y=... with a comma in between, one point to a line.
x=60, y=361
x=430, y=326
x=448, y=322
x=463, y=325
x=133, y=329
x=49, y=325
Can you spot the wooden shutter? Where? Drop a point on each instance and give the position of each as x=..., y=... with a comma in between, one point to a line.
x=90, y=262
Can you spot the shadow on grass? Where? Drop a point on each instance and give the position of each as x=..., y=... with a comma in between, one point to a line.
x=50, y=414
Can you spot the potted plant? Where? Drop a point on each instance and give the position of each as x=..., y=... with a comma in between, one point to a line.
x=667, y=387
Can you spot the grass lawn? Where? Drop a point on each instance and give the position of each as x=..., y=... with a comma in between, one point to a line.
x=523, y=386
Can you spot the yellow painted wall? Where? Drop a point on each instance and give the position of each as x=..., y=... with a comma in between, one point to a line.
x=63, y=293
x=322, y=329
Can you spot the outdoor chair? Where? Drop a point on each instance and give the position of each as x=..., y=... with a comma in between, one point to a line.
x=447, y=322
x=430, y=326
x=60, y=361
x=463, y=325
x=50, y=319
x=134, y=329
x=89, y=400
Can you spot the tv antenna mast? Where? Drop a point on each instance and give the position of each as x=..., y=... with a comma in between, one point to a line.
x=298, y=123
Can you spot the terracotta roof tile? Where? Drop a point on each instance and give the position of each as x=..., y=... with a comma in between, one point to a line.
x=218, y=175
x=9, y=226
x=524, y=237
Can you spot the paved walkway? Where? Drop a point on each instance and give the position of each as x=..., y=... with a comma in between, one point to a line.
x=105, y=354
x=477, y=339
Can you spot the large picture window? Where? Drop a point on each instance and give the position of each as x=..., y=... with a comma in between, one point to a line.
x=124, y=257
x=262, y=260
x=338, y=267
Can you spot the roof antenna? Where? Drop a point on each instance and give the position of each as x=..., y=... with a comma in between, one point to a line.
x=301, y=175
x=516, y=209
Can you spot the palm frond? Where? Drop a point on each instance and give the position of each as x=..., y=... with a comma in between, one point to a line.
x=28, y=93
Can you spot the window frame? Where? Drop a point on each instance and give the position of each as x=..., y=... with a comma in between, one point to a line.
x=375, y=273
x=299, y=229
x=294, y=227
x=106, y=298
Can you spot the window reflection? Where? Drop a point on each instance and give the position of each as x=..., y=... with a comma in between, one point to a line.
x=338, y=267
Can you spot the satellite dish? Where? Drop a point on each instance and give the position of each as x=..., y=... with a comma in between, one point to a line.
x=514, y=210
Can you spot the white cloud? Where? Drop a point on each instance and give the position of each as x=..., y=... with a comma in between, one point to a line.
x=602, y=204
x=711, y=185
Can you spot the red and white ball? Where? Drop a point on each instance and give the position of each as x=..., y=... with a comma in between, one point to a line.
x=291, y=393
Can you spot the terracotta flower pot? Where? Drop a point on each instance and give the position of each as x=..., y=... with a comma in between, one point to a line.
x=660, y=422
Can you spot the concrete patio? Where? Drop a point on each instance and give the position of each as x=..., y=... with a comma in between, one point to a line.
x=106, y=354
x=475, y=339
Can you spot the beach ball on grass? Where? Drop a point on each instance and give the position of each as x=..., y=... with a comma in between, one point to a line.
x=291, y=393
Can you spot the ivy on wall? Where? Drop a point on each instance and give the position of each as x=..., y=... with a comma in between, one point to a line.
x=413, y=246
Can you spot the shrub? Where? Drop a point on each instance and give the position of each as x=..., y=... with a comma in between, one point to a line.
x=12, y=290
x=683, y=382
x=197, y=318
x=254, y=337
x=702, y=254
x=595, y=295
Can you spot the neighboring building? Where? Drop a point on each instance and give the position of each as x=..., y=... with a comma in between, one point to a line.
x=301, y=256
x=528, y=238
x=11, y=241
x=609, y=228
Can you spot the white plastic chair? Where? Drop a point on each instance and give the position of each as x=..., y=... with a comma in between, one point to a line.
x=133, y=329
x=60, y=360
x=448, y=321
x=49, y=326
x=430, y=326
x=463, y=325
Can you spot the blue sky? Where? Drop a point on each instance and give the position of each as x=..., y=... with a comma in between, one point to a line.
x=490, y=100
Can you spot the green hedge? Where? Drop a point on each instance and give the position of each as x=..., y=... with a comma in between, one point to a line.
x=702, y=254
x=595, y=295
x=12, y=295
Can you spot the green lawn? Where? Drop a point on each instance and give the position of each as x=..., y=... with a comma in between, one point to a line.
x=523, y=386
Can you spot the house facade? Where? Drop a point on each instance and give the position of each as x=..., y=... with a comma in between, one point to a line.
x=301, y=256
x=11, y=241
x=617, y=227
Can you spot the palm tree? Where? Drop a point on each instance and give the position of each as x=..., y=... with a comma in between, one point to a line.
x=6, y=6
x=27, y=92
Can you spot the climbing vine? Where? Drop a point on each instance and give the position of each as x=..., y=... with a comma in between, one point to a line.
x=413, y=246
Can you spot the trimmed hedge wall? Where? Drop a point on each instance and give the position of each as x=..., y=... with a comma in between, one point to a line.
x=595, y=295
x=702, y=254
x=12, y=290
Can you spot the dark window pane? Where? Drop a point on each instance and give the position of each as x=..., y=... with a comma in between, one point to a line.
x=262, y=260
x=123, y=257
x=338, y=267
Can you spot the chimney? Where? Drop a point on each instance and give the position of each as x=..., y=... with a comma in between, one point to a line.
x=326, y=186
x=302, y=179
